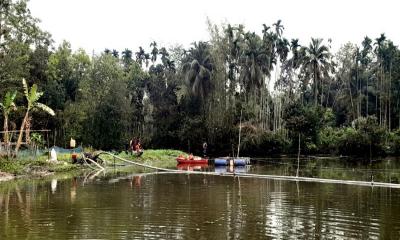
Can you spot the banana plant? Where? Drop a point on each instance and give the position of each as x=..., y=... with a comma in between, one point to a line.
x=7, y=106
x=32, y=96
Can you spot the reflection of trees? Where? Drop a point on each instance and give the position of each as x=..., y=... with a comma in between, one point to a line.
x=208, y=207
x=380, y=171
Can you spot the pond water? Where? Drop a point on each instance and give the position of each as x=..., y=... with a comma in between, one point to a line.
x=182, y=206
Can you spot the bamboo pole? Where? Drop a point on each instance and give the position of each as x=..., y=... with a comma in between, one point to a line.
x=240, y=130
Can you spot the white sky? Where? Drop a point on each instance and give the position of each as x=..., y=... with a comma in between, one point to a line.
x=119, y=24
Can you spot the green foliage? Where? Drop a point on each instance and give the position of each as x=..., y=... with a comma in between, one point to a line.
x=11, y=166
x=328, y=139
x=192, y=133
x=364, y=138
x=262, y=144
x=178, y=98
x=106, y=105
x=18, y=32
x=393, y=140
x=306, y=121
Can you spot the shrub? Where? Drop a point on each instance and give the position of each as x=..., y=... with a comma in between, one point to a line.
x=364, y=138
x=264, y=143
x=328, y=139
x=393, y=146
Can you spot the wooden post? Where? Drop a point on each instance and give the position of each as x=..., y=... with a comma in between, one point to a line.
x=240, y=129
x=298, y=159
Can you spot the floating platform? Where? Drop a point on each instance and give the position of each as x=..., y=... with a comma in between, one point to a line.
x=232, y=161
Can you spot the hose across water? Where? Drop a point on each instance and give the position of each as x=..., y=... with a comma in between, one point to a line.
x=260, y=176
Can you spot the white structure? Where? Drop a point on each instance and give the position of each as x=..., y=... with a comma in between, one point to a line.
x=53, y=155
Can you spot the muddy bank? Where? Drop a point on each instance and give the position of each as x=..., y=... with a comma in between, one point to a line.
x=6, y=176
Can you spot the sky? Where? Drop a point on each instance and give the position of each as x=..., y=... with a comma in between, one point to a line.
x=118, y=24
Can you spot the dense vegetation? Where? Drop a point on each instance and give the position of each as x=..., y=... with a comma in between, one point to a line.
x=283, y=93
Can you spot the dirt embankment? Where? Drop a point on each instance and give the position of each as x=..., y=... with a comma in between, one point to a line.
x=6, y=176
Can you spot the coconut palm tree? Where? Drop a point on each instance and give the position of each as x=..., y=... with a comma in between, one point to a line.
x=32, y=96
x=282, y=48
x=126, y=58
x=154, y=51
x=287, y=79
x=254, y=64
x=379, y=50
x=140, y=56
x=8, y=105
x=197, y=69
x=315, y=65
x=115, y=53
x=164, y=56
x=235, y=43
x=365, y=61
x=278, y=28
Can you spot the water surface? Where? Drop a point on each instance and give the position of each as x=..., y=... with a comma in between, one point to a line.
x=181, y=206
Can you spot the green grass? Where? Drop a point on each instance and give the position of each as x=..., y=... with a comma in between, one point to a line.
x=30, y=165
x=164, y=158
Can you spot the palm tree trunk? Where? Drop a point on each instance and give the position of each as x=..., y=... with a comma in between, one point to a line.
x=6, y=136
x=398, y=112
x=390, y=91
x=240, y=130
x=315, y=87
x=5, y=128
x=21, y=131
x=366, y=103
x=359, y=92
x=351, y=98
x=380, y=98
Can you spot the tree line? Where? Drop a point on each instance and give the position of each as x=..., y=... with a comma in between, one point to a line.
x=279, y=93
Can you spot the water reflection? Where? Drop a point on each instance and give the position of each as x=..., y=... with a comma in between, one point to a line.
x=53, y=185
x=387, y=170
x=162, y=206
x=211, y=168
x=193, y=167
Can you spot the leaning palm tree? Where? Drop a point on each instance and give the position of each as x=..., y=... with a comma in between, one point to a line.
x=316, y=64
x=7, y=106
x=32, y=96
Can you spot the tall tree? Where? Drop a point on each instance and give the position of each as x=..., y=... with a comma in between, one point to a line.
x=154, y=51
x=127, y=58
x=198, y=68
x=19, y=32
x=316, y=66
x=7, y=106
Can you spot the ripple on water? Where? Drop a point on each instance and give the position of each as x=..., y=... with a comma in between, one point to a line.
x=202, y=207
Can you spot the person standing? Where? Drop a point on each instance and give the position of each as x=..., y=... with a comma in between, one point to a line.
x=205, y=149
x=132, y=145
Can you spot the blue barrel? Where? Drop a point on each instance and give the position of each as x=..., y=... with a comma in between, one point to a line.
x=239, y=162
x=220, y=162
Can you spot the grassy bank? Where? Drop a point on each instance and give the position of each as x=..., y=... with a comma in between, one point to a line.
x=36, y=166
x=164, y=158
x=40, y=166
